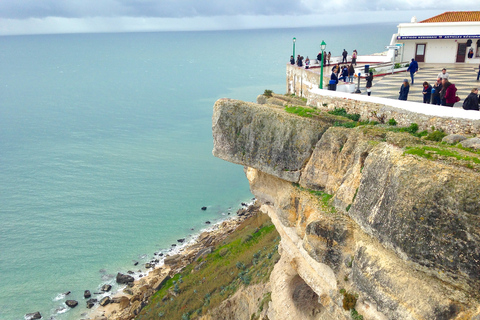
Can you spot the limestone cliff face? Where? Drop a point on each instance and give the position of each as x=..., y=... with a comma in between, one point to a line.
x=357, y=213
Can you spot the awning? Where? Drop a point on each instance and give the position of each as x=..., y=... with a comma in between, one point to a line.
x=441, y=37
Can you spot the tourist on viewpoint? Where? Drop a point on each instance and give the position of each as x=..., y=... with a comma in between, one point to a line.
x=437, y=88
x=444, y=74
x=344, y=55
x=427, y=92
x=450, y=93
x=334, y=75
x=404, y=90
x=307, y=63
x=472, y=101
x=413, y=68
x=299, y=61
x=329, y=55
x=344, y=76
x=292, y=60
x=369, y=79
x=351, y=73
x=354, y=57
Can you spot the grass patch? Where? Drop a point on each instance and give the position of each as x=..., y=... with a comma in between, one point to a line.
x=343, y=113
x=439, y=153
x=267, y=93
x=247, y=257
x=301, y=111
x=323, y=198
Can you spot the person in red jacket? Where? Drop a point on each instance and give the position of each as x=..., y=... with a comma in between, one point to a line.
x=450, y=94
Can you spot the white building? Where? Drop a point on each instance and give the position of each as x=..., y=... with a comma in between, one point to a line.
x=451, y=37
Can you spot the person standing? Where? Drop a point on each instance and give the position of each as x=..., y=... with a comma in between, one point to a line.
x=450, y=94
x=330, y=55
x=351, y=73
x=292, y=60
x=471, y=102
x=344, y=55
x=369, y=79
x=427, y=92
x=437, y=88
x=319, y=58
x=307, y=63
x=445, y=84
x=354, y=57
x=344, y=76
x=444, y=74
x=413, y=68
x=404, y=90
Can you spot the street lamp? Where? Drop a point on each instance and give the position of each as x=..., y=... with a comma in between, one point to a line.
x=294, y=39
x=323, y=45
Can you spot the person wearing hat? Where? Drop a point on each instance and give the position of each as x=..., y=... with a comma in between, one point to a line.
x=404, y=90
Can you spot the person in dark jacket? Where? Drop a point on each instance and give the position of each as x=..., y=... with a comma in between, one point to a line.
x=334, y=75
x=413, y=68
x=472, y=101
x=445, y=84
x=437, y=87
x=404, y=90
x=292, y=60
x=427, y=92
x=344, y=74
x=344, y=56
x=351, y=73
x=369, y=79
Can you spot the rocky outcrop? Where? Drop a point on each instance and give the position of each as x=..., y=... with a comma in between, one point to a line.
x=33, y=316
x=358, y=215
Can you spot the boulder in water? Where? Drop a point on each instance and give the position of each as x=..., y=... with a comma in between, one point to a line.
x=33, y=316
x=106, y=288
x=124, y=278
x=87, y=294
x=71, y=303
x=91, y=303
x=105, y=301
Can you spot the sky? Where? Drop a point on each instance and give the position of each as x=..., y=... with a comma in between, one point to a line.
x=79, y=16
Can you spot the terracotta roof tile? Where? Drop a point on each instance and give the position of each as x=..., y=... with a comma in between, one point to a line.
x=455, y=16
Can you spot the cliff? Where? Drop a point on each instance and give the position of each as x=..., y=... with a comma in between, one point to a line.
x=368, y=226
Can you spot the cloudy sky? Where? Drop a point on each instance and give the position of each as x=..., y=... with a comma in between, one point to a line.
x=67, y=16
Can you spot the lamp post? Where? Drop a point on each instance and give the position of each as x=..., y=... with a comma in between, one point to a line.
x=323, y=45
x=294, y=39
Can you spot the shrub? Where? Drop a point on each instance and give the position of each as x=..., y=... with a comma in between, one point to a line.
x=392, y=122
x=349, y=301
x=267, y=93
x=436, y=135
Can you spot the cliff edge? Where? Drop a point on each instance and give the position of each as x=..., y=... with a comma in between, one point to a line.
x=370, y=227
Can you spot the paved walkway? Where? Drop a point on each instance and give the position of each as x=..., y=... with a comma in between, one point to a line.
x=463, y=76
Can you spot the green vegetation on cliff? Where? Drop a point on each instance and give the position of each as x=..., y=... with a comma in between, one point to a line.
x=246, y=257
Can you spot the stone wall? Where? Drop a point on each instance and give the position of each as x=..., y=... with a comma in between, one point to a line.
x=304, y=83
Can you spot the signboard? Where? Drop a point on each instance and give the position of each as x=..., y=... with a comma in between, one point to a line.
x=444, y=37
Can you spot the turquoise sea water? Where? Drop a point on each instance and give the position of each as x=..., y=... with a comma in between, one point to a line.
x=105, y=147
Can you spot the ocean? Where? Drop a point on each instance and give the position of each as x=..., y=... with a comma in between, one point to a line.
x=106, y=147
